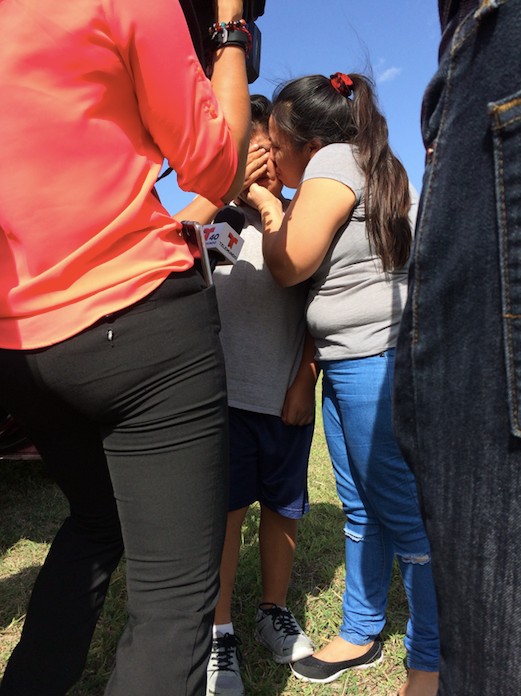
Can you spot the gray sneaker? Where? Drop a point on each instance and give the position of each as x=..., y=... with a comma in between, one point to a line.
x=223, y=677
x=278, y=630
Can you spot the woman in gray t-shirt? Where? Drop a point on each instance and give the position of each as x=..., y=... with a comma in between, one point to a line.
x=348, y=228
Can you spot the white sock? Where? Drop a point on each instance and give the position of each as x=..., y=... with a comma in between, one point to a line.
x=222, y=629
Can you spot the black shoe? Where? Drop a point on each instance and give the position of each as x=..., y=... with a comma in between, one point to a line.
x=311, y=669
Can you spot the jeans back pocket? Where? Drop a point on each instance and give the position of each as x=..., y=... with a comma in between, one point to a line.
x=506, y=127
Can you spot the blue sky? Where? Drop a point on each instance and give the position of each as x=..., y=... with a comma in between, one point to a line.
x=396, y=42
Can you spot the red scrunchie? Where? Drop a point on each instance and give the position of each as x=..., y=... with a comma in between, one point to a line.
x=342, y=83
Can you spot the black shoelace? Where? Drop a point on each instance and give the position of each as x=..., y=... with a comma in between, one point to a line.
x=224, y=647
x=283, y=620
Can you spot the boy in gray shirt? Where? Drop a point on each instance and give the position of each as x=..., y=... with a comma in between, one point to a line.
x=271, y=377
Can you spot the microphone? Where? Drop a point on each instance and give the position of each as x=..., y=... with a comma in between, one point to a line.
x=222, y=237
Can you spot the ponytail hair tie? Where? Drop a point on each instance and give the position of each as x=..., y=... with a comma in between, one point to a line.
x=343, y=84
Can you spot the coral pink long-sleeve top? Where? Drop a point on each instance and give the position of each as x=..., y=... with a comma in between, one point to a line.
x=95, y=94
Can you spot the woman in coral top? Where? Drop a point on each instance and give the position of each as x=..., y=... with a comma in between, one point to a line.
x=109, y=349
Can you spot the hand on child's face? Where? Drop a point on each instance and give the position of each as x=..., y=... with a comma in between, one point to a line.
x=260, y=167
x=256, y=195
x=256, y=164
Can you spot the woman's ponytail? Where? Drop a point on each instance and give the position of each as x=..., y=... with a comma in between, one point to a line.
x=387, y=193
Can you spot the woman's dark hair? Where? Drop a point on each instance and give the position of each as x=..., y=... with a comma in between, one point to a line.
x=261, y=109
x=310, y=108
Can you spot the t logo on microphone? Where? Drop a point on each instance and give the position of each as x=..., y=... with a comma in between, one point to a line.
x=222, y=238
x=233, y=240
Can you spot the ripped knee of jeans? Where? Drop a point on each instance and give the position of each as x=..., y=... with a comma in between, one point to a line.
x=354, y=530
x=353, y=535
x=419, y=559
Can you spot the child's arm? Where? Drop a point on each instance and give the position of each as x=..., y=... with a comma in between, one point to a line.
x=299, y=404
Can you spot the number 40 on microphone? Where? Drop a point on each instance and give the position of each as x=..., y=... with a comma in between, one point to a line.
x=224, y=239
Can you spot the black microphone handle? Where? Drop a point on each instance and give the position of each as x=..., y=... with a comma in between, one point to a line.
x=233, y=216
x=214, y=257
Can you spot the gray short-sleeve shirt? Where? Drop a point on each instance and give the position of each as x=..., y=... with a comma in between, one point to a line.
x=263, y=326
x=354, y=307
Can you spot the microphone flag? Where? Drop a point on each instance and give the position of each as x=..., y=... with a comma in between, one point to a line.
x=221, y=237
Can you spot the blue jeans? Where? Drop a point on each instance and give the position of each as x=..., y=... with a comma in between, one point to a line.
x=458, y=359
x=378, y=494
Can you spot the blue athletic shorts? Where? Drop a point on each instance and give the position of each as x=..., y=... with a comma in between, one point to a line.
x=268, y=463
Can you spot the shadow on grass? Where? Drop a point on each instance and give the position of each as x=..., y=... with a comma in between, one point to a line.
x=15, y=591
x=32, y=508
x=31, y=505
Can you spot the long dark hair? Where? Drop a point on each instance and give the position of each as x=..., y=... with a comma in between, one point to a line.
x=310, y=108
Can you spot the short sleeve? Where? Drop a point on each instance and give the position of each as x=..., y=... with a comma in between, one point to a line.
x=337, y=162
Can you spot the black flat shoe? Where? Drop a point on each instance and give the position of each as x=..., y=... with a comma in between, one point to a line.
x=311, y=669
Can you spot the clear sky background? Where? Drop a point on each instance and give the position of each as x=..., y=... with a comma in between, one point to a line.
x=395, y=42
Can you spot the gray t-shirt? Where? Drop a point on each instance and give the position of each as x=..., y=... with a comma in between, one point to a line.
x=354, y=308
x=263, y=326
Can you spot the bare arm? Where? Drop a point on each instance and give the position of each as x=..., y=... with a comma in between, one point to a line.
x=294, y=245
x=299, y=404
x=230, y=85
x=199, y=210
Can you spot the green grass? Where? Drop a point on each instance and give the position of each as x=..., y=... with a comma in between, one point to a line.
x=32, y=508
